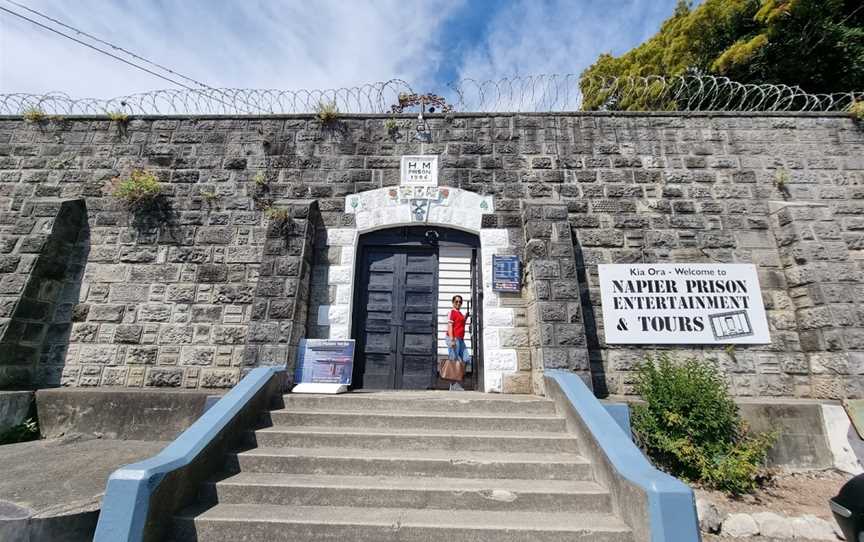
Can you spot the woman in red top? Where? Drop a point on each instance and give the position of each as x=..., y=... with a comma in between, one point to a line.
x=456, y=337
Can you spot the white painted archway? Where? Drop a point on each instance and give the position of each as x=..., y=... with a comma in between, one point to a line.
x=414, y=206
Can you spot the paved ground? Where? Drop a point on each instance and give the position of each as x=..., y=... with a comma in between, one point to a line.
x=53, y=488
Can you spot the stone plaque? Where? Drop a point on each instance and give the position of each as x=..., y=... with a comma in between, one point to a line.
x=421, y=170
x=682, y=304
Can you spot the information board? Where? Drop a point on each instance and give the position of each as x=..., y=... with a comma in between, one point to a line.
x=682, y=304
x=506, y=274
x=421, y=170
x=324, y=361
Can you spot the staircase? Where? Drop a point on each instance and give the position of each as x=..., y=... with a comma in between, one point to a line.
x=407, y=467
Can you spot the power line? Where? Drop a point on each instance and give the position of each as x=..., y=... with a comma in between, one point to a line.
x=109, y=44
x=108, y=53
x=37, y=23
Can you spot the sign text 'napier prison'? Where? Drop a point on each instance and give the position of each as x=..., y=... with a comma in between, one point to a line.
x=682, y=304
x=419, y=170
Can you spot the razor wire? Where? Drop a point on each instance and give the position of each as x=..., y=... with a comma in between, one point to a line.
x=533, y=93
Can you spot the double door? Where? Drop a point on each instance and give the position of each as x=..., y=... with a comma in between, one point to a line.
x=397, y=318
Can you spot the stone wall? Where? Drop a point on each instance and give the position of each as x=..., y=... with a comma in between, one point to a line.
x=197, y=296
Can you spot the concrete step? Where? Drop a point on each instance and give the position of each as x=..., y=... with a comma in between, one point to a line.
x=424, y=422
x=423, y=401
x=409, y=492
x=232, y=522
x=409, y=439
x=430, y=463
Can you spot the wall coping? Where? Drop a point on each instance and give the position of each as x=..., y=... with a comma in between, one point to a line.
x=126, y=503
x=599, y=114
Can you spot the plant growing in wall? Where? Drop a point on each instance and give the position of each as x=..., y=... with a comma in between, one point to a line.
x=327, y=113
x=210, y=197
x=261, y=191
x=391, y=125
x=781, y=178
x=23, y=432
x=857, y=110
x=118, y=116
x=690, y=426
x=137, y=192
x=34, y=114
x=279, y=220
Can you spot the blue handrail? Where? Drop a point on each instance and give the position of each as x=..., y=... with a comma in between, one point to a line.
x=671, y=503
x=126, y=504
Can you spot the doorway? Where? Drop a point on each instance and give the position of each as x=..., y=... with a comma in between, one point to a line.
x=397, y=322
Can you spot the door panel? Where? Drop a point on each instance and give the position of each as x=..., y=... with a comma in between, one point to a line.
x=397, y=318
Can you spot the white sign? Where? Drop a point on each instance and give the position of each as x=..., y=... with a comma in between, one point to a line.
x=682, y=304
x=419, y=170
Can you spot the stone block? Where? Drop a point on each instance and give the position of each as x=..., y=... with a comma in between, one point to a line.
x=212, y=273
x=500, y=360
x=207, y=313
x=197, y=355
x=544, y=269
x=552, y=312
x=494, y=238
x=244, y=254
x=498, y=317
x=163, y=377
x=233, y=293
x=82, y=333
x=128, y=293
x=601, y=238
x=142, y=355
x=554, y=358
x=219, y=378
x=514, y=338
x=99, y=272
x=517, y=383
x=138, y=254
x=229, y=334
x=129, y=333
x=341, y=237
x=99, y=354
x=106, y=313
x=570, y=335
x=150, y=274
x=180, y=293
x=740, y=525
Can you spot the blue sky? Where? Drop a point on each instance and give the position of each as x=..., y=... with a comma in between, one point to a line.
x=317, y=43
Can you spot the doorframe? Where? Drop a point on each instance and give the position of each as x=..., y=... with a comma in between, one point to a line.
x=416, y=236
x=388, y=207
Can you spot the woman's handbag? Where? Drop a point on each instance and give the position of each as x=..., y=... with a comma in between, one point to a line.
x=451, y=369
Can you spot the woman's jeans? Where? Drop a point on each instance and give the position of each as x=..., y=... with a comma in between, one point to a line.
x=458, y=352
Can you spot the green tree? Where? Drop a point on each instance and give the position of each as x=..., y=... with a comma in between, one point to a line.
x=815, y=44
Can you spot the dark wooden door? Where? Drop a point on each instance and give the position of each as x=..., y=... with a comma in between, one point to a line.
x=397, y=318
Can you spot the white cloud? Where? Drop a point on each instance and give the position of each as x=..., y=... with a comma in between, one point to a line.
x=249, y=44
x=532, y=37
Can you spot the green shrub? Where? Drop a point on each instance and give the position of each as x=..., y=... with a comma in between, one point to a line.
x=139, y=190
x=29, y=430
x=690, y=426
